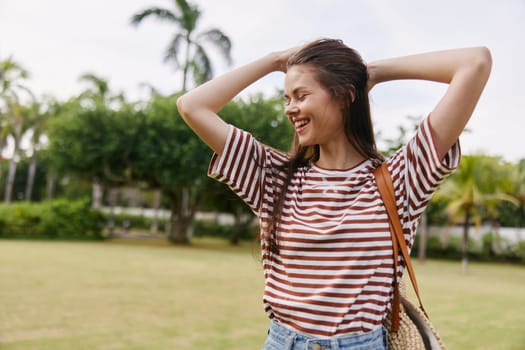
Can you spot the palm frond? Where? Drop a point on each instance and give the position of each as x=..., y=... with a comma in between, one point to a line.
x=173, y=49
x=202, y=62
x=220, y=40
x=157, y=12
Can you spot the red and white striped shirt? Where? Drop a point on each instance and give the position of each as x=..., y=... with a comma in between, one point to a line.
x=333, y=274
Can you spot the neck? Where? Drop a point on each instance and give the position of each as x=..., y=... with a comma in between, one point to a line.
x=339, y=158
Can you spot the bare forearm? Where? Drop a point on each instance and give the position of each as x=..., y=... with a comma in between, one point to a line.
x=440, y=66
x=466, y=72
x=216, y=93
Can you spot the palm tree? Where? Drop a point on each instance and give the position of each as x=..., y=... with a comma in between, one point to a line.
x=11, y=77
x=193, y=56
x=474, y=187
x=36, y=123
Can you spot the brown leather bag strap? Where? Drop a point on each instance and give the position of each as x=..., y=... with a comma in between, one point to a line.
x=386, y=190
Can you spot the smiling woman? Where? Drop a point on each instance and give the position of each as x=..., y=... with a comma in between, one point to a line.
x=317, y=119
x=326, y=245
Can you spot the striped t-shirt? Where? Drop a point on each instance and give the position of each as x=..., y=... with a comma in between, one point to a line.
x=333, y=273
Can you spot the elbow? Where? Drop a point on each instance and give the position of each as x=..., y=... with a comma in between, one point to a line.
x=182, y=106
x=483, y=61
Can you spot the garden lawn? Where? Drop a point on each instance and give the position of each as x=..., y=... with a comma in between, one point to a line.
x=152, y=295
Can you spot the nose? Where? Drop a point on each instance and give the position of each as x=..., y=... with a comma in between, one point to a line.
x=290, y=109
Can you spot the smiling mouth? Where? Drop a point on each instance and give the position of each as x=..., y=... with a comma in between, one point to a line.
x=300, y=124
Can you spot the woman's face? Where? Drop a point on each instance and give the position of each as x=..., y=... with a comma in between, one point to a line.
x=315, y=114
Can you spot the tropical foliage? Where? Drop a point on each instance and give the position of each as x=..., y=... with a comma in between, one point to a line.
x=476, y=187
x=187, y=48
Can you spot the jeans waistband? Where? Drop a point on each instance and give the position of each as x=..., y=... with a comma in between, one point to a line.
x=283, y=338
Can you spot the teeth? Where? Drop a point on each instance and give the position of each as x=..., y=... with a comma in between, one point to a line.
x=301, y=123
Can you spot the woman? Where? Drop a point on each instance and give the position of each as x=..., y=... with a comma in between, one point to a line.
x=325, y=239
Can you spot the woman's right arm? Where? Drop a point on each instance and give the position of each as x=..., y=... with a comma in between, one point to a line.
x=199, y=107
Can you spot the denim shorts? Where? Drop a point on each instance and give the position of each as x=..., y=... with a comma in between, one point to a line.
x=282, y=338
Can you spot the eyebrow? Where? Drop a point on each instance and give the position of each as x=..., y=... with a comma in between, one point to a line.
x=294, y=91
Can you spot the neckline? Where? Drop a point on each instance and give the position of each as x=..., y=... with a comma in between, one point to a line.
x=354, y=168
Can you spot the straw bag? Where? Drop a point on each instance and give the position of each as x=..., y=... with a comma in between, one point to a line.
x=408, y=324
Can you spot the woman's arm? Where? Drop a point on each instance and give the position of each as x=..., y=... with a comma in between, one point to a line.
x=465, y=70
x=199, y=107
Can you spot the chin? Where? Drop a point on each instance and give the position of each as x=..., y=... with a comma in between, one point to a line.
x=306, y=141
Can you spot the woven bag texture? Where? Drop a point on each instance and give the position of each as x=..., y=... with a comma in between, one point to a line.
x=415, y=329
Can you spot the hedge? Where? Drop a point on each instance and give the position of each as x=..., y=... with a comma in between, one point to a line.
x=57, y=219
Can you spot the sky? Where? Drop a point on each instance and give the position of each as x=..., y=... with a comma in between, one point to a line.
x=59, y=40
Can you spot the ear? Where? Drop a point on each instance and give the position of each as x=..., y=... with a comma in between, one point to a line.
x=352, y=90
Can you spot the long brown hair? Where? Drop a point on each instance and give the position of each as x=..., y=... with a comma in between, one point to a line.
x=343, y=73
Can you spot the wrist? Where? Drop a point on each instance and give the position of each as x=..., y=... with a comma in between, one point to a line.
x=371, y=69
x=278, y=59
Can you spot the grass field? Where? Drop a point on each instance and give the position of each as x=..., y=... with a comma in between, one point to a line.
x=151, y=295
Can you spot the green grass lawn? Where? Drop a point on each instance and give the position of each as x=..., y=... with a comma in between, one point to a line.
x=151, y=295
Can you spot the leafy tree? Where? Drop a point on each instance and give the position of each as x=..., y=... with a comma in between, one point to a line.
x=94, y=142
x=473, y=188
x=99, y=97
x=169, y=156
x=192, y=58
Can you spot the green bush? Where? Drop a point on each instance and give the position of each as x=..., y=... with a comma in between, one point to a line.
x=140, y=222
x=232, y=233
x=57, y=219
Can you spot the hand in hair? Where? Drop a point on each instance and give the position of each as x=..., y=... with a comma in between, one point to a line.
x=283, y=56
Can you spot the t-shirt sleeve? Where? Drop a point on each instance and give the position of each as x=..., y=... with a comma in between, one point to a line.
x=417, y=171
x=241, y=166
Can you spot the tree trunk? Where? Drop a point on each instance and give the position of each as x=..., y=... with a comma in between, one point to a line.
x=181, y=218
x=31, y=177
x=50, y=186
x=423, y=233
x=10, y=180
x=180, y=229
x=98, y=190
x=466, y=225
x=113, y=199
x=157, y=196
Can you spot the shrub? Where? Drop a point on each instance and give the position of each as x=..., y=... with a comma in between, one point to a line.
x=140, y=222
x=231, y=232
x=57, y=219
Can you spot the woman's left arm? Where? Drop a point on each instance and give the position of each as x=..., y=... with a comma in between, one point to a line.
x=465, y=70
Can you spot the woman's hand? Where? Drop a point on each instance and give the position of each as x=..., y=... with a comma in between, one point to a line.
x=372, y=81
x=281, y=58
